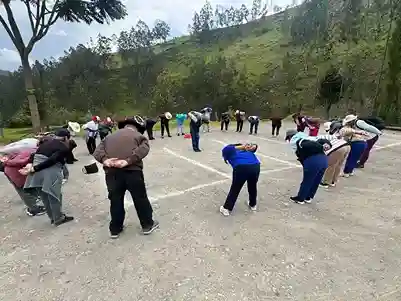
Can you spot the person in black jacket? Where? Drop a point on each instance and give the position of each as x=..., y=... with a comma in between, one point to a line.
x=194, y=127
x=149, y=124
x=312, y=156
x=164, y=123
x=239, y=117
x=225, y=120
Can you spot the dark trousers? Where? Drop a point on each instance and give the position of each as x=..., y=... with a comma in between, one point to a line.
x=240, y=124
x=357, y=149
x=242, y=174
x=91, y=144
x=195, y=137
x=166, y=127
x=224, y=124
x=118, y=181
x=254, y=126
x=276, y=129
x=313, y=171
x=149, y=130
x=103, y=135
x=369, y=145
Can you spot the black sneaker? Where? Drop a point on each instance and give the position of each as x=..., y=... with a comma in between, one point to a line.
x=170, y=136
x=39, y=210
x=324, y=185
x=116, y=233
x=64, y=219
x=149, y=230
x=297, y=200
x=197, y=150
x=359, y=165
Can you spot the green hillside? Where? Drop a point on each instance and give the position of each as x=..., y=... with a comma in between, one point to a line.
x=323, y=57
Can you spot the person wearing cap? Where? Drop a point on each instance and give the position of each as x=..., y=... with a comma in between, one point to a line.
x=45, y=175
x=121, y=154
x=194, y=129
x=314, y=161
x=239, y=117
x=253, y=124
x=246, y=168
x=92, y=130
x=164, y=123
x=12, y=163
x=357, y=139
x=180, y=119
x=225, y=120
x=206, y=113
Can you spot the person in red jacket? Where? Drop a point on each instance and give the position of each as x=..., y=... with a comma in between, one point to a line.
x=12, y=164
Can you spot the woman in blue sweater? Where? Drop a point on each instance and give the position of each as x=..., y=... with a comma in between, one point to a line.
x=246, y=168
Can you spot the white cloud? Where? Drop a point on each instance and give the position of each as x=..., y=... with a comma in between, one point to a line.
x=60, y=33
x=10, y=59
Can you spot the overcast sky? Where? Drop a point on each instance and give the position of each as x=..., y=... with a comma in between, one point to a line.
x=177, y=13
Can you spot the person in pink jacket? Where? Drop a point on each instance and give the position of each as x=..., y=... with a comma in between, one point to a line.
x=12, y=164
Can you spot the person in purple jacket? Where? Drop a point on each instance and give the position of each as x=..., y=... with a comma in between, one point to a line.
x=246, y=168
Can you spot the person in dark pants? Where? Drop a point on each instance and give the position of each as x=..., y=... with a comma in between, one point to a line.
x=300, y=121
x=149, y=124
x=239, y=117
x=92, y=130
x=246, y=168
x=164, y=123
x=276, y=125
x=121, y=154
x=70, y=156
x=253, y=124
x=225, y=120
x=194, y=128
x=312, y=156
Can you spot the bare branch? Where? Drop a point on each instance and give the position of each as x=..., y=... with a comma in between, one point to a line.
x=18, y=41
x=30, y=14
x=5, y=25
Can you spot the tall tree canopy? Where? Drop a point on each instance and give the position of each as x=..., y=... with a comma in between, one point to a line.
x=43, y=14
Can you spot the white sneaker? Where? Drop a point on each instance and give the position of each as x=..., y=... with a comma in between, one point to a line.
x=250, y=207
x=332, y=185
x=64, y=181
x=224, y=211
x=309, y=201
x=346, y=175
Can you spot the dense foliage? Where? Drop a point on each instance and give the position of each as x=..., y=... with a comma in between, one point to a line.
x=324, y=57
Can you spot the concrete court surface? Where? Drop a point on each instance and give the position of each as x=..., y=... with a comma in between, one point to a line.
x=345, y=246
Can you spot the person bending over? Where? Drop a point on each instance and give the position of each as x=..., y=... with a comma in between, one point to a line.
x=314, y=161
x=164, y=123
x=246, y=168
x=121, y=154
x=239, y=117
x=225, y=120
x=253, y=124
x=45, y=175
x=149, y=124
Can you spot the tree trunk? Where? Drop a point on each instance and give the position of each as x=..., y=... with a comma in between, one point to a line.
x=33, y=104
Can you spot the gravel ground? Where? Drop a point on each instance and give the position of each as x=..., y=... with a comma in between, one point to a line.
x=346, y=246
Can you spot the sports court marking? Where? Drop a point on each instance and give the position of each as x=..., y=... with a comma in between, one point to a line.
x=387, y=146
x=270, y=140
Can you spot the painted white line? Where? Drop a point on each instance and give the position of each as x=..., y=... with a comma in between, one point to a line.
x=270, y=140
x=264, y=156
x=387, y=146
x=181, y=192
x=279, y=169
x=197, y=163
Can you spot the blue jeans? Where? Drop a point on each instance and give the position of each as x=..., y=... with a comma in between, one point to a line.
x=357, y=149
x=195, y=140
x=313, y=169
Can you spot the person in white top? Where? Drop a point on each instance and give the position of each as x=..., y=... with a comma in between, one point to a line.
x=91, y=131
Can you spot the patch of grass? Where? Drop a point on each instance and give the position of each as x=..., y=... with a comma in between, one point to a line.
x=11, y=135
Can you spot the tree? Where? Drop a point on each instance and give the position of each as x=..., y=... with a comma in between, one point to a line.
x=196, y=24
x=161, y=31
x=331, y=88
x=42, y=16
x=256, y=9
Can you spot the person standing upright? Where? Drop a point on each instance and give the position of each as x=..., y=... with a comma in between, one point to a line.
x=121, y=154
x=92, y=130
x=164, y=123
x=194, y=126
x=276, y=125
x=239, y=117
x=180, y=118
x=225, y=120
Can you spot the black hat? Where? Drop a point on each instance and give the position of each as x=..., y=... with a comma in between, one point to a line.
x=63, y=133
x=289, y=134
x=136, y=121
x=91, y=168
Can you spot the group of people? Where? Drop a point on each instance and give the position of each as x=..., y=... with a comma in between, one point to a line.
x=37, y=168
